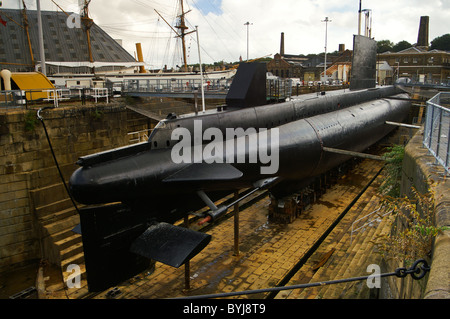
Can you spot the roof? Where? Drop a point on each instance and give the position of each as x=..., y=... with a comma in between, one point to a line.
x=415, y=50
x=384, y=66
x=61, y=43
x=32, y=81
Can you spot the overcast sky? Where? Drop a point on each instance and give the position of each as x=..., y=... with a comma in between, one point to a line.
x=223, y=35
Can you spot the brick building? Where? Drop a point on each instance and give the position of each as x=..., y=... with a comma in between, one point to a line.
x=285, y=67
x=305, y=68
x=419, y=64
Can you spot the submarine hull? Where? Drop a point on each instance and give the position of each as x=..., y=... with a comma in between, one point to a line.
x=134, y=194
x=147, y=175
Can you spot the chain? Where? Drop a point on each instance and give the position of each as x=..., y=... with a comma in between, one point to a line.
x=417, y=271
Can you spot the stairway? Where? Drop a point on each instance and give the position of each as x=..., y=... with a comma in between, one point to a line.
x=56, y=217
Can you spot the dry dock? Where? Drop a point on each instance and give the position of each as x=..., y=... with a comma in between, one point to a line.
x=271, y=254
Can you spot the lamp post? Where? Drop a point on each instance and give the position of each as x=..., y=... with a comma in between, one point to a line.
x=326, y=38
x=247, y=24
x=201, y=70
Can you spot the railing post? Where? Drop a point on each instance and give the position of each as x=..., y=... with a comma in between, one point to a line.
x=448, y=147
x=438, y=145
x=430, y=132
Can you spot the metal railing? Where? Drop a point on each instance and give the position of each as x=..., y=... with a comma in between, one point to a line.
x=175, y=85
x=437, y=128
x=278, y=89
x=12, y=99
x=27, y=98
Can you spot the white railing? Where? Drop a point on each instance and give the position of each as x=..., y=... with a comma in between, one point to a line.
x=140, y=136
x=25, y=98
x=57, y=95
x=101, y=93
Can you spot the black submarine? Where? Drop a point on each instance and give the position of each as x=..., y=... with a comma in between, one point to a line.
x=134, y=195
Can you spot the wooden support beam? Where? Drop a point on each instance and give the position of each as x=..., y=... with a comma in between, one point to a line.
x=403, y=99
x=403, y=125
x=236, y=224
x=355, y=154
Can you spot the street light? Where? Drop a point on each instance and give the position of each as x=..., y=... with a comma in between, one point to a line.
x=247, y=24
x=326, y=37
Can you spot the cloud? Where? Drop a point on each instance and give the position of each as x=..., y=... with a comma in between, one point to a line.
x=223, y=35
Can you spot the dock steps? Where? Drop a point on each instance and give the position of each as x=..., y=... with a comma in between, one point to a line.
x=57, y=217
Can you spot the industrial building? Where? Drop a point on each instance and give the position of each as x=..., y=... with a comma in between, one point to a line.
x=417, y=63
x=310, y=68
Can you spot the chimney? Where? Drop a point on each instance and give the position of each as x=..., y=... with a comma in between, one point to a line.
x=282, y=44
x=422, y=39
x=341, y=48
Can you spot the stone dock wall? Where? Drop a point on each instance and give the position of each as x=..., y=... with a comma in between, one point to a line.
x=28, y=172
x=419, y=170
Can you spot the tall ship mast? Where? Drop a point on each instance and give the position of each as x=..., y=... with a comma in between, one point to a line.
x=181, y=26
x=88, y=22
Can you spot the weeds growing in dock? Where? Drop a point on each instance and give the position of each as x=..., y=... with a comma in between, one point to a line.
x=412, y=236
x=30, y=121
x=394, y=160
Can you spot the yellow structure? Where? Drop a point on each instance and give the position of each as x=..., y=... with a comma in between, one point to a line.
x=33, y=83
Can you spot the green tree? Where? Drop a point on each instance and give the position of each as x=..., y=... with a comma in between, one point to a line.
x=441, y=43
x=402, y=45
x=384, y=45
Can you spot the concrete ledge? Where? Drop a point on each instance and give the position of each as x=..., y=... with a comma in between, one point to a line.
x=419, y=167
